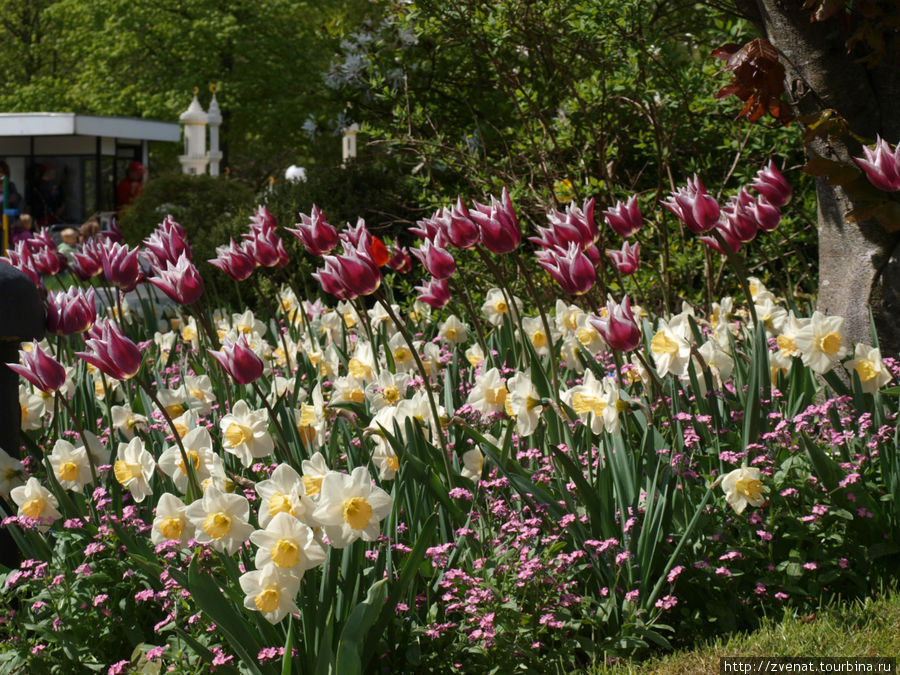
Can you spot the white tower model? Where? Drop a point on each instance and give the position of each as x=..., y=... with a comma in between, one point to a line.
x=215, y=121
x=195, y=158
x=349, y=144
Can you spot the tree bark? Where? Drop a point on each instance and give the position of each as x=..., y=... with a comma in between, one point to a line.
x=859, y=263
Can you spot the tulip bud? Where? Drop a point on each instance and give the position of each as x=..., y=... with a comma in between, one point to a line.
x=435, y=292
x=111, y=351
x=882, y=167
x=694, y=206
x=234, y=261
x=71, y=312
x=625, y=219
x=459, y=227
x=626, y=260
x=120, y=266
x=618, y=328
x=181, y=281
x=771, y=184
x=316, y=234
x=239, y=360
x=570, y=268
x=498, y=224
x=437, y=260
x=41, y=369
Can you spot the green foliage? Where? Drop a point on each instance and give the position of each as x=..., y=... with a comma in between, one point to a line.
x=211, y=209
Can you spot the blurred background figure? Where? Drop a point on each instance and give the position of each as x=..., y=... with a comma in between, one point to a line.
x=131, y=186
x=12, y=195
x=47, y=198
x=23, y=230
x=88, y=230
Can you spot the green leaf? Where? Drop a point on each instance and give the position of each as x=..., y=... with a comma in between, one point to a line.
x=236, y=629
x=361, y=619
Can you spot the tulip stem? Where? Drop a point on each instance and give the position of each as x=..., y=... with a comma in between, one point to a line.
x=741, y=270
x=188, y=466
x=479, y=329
x=438, y=430
x=554, y=370
x=278, y=427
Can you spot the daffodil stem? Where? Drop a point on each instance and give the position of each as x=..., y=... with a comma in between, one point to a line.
x=274, y=417
x=188, y=466
x=438, y=430
x=367, y=326
x=80, y=430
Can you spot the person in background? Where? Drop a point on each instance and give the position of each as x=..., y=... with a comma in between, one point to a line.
x=12, y=195
x=69, y=242
x=24, y=230
x=89, y=229
x=131, y=186
x=48, y=201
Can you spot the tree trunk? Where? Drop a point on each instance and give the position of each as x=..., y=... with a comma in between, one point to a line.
x=859, y=263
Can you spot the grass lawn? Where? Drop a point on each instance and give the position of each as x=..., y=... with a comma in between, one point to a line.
x=864, y=628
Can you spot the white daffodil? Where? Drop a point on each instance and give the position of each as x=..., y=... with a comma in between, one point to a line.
x=173, y=400
x=567, y=318
x=248, y=324
x=189, y=333
x=185, y=423
x=595, y=402
x=245, y=433
x=270, y=591
x=385, y=459
x=588, y=337
x=330, y=327
x=743, y=486
x=348, y=390
x=70, y=465
x=489, y=393
x=12, y=473
x=453, y=331
x=431, y=359
x=537, y=336
x=284, y=492
x=200, y=396
x=134, y=467
x=106, y=387
x=164, y=342
x=821, y=342
x=314, y=471
x=32, y=407
x=721, y=319
x=523, y=403
x=350, y=507
x=786, y=340
x=127, y=421
x=496, y=307
x=348, y=314
x=404, y=361
x=388, y=389
x=378, y=317
x=871, y=371
x=207, y=465
x=288, y=544
x=170, y=522
x=671, y=350
x=36, y=501
x=473, y=464
x=475, y=355
x=719, y=363
x=284, y=387
x=770, y=314
x=310, y=419
x=220, y=519
x=362, y=364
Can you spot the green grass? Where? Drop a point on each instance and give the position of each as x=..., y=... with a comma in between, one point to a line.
x=862, y=628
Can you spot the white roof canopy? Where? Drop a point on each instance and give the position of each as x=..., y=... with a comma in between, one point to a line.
x=73, y=124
